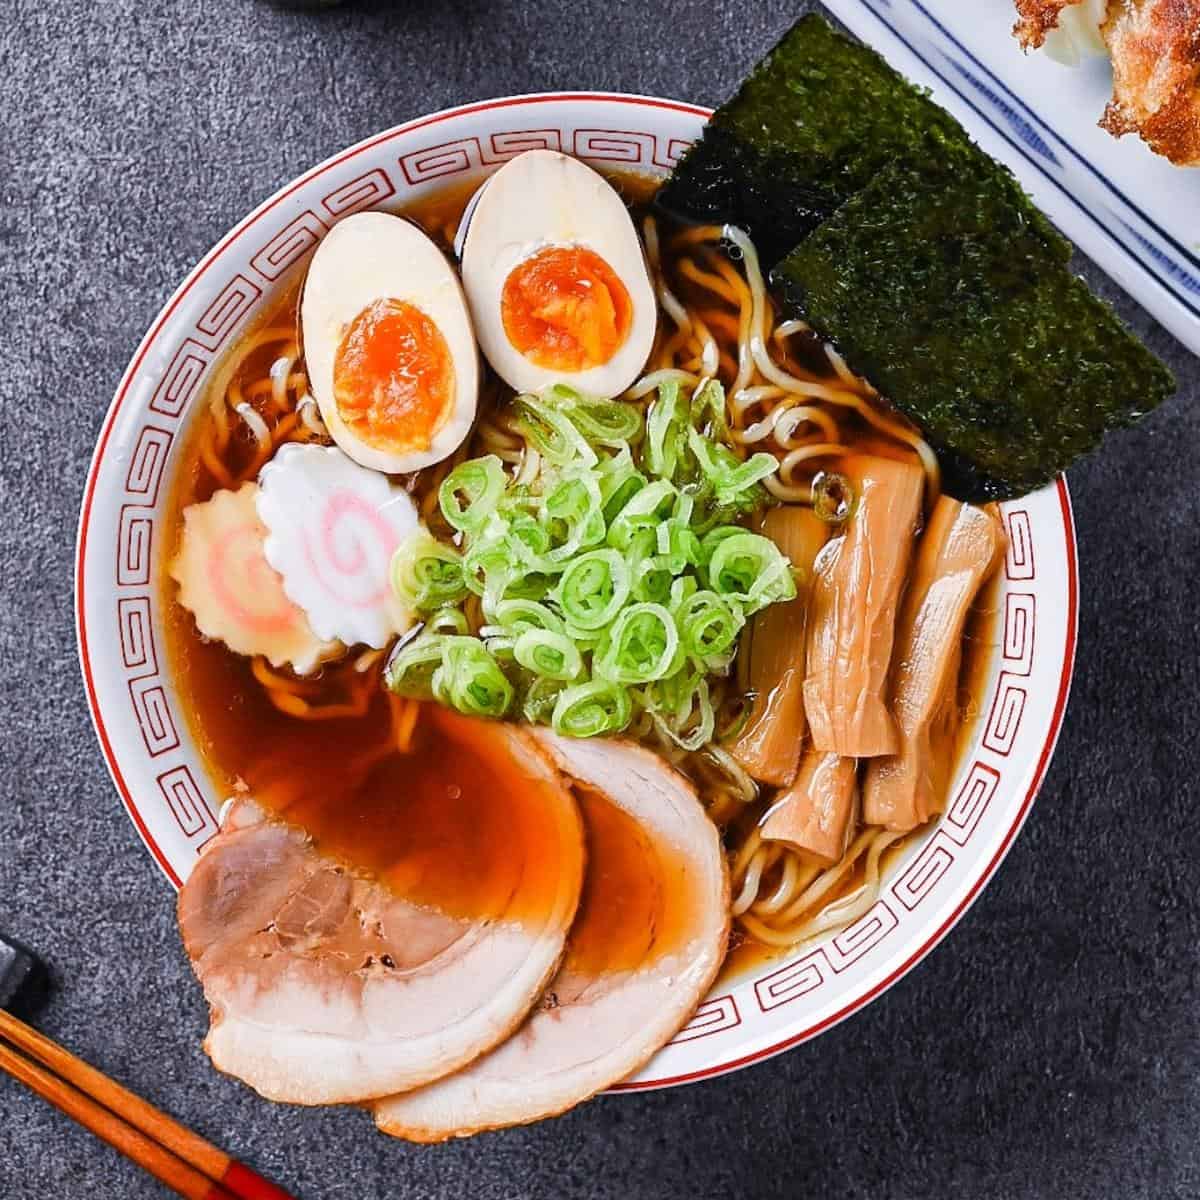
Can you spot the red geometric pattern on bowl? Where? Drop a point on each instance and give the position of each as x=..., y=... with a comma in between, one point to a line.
x=970, y=802
x=922, y=874
x=180, y=380
x=1020, y=621
x=146, y=465
x=797, y=978
x=716, y=1015
x=628, y=146
x=136, y=634
x=1004, y=720
x=289, y=245
x=187, y=803
x=134, y=545
x=227, y=311
x=1018, y=556
x=368, y=190
x=159, y=772
x=152, y=712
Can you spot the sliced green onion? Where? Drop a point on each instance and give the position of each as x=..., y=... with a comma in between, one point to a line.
x=708, y=410
x=572, y=511
x=551, y=432
x=469, y=494
x=498, y=645
x=487, y=568
x=693, y=732
x=534, y=586
x=709, y=626
x=470, y=680
x=527, y=537
x=643, y=511
x=734, y=484
x=518, y=615
x=682, y=590
x=551, y=655
x=427, y=573
x=448, y=620
x=537, y=707
x=773, y=586
x=641, y=645
x=714, y=537
x=619, y=481
x=410, y=668
x=681, y=708
x=606, y=422
x=592, y=709
x=749, y=568
x=616, y=578
x=739, y=483
x=593, y=588
x=664, y=431
x=678, y=546
x=653, y=579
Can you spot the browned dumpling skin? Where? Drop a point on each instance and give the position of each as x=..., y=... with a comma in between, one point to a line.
x=1155, y=47
x=1035, y=19
x=1155, y=51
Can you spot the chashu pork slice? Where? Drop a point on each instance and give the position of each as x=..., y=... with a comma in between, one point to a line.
x=330, y=984
x=648, y=941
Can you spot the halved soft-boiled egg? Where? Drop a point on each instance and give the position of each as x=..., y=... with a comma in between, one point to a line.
x=388, y=344
x=556, y=278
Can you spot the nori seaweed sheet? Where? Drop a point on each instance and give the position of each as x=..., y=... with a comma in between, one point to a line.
x=816, y=120
x=945, y=296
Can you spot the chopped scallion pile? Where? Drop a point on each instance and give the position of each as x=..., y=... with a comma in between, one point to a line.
x=613, y=583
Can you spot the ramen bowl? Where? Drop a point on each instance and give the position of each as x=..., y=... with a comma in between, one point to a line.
x=158, y=769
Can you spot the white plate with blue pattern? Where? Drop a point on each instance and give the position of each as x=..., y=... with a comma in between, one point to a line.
x=1135, y=214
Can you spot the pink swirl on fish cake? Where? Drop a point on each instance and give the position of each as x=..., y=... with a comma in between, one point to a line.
x=351, y=562
x=250, y=577
x=229, y=586
x=332, y=529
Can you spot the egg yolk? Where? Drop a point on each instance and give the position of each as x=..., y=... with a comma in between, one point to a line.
x=564, y=308
x=393, y=377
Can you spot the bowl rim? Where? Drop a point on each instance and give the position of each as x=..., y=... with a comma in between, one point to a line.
x=167, y=310
x=981, y=876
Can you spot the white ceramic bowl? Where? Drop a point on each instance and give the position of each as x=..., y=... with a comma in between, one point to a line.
x=145, y=737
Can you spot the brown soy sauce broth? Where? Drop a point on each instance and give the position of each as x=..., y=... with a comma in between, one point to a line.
x=637, y=897
x=445, y=824
x=427, y=822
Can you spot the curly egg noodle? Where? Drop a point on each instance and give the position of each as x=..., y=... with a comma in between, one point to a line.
x=785, y=394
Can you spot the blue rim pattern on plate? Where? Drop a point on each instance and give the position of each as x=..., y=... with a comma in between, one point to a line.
x=1159, y=259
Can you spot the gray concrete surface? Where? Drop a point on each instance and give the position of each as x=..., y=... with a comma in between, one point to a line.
x=1048, y=1049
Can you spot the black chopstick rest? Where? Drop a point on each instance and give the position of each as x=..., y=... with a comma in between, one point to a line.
x=24, y=980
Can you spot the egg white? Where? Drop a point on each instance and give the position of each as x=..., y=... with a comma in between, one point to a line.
x=542, y=198
x=376, y=256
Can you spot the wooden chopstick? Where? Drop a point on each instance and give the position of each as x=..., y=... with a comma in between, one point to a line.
x=148, y=1154
x=170, y=1151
